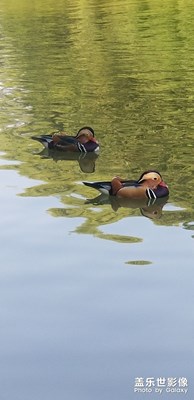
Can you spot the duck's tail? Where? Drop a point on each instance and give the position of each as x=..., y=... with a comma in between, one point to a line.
x=43, y=139
x=103, y=187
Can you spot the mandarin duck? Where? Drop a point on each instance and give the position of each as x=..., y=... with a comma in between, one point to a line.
x=84, y=141
x=149, y=186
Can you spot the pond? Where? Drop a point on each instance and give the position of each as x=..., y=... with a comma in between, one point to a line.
x=96, y=296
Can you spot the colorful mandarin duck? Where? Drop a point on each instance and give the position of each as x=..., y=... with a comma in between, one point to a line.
x=149, y=186
x=83, y=142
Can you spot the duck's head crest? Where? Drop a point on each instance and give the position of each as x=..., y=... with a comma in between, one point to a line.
x=85, y=130
x=152, y=175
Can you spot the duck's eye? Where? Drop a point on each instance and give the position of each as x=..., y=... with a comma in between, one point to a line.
x=155, y=178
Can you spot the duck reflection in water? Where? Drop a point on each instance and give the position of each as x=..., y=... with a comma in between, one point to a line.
x=86, y=161
x=149, y=193
x=150, y=208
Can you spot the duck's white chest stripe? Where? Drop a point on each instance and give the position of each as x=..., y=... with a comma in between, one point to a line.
x=150, y=193
x=81, y=147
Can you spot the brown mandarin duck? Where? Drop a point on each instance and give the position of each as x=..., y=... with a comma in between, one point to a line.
x=149, y=186
x=84, y=141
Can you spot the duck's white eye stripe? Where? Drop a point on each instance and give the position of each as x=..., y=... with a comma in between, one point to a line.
x=150, y=193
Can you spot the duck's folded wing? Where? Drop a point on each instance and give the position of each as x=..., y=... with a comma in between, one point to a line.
x=105, y=186
x=65, y=140
x=129, y=182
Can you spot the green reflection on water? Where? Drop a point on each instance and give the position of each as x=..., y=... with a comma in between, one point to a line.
x=138, y=262
x=126, y=69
